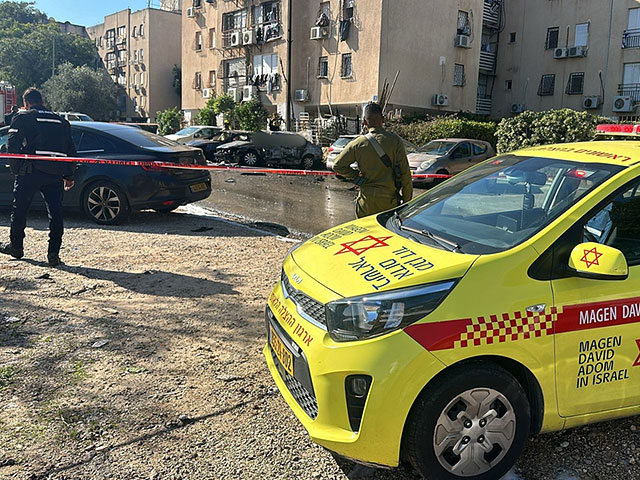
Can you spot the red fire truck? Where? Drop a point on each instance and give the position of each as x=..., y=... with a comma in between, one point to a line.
x=8, y=99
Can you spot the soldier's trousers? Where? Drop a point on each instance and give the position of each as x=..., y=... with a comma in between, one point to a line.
x=51, y=188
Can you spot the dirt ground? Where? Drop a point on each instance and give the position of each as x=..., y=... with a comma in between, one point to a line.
x=141, y=359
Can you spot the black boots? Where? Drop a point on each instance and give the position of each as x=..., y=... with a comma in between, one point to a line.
x=9, y=249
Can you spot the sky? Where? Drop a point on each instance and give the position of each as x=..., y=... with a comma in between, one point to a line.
x=87, y=12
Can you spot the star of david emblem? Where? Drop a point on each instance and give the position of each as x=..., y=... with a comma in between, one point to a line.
x=637, y=362
x=591, y=261
x=363, y=245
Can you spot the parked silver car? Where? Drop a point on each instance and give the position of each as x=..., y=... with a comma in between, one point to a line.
x=448, y=156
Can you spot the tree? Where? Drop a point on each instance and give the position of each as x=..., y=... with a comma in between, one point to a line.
x=252, y=115
x=28, y=42
x=81, y=89
x=207, y=116
x=177, y=79
x=169, y=121
x=225, y=105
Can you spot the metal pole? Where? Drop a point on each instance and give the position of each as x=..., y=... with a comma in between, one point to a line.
x=289, y=41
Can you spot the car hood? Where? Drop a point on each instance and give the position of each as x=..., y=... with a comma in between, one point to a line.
x=236, y=144
x=363, y=257
x=416, y=159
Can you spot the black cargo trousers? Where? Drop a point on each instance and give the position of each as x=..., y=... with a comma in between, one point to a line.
x=51, y=187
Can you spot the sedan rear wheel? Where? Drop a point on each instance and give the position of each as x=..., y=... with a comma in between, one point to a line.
x=308, y=162
x=105, y=203
x=250, y=159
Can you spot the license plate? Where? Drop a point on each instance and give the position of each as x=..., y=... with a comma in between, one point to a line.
x=198, y=187
x=283, y=354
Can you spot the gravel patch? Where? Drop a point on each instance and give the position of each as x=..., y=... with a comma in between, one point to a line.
x=141, y=358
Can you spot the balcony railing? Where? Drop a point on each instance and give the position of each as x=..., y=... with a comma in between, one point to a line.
x=630, y=90
x=631, y=38
x=491, y=16
x=483, y=105
x=487, y=61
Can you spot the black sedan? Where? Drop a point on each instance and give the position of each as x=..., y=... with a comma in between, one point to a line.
x=209, y=146
x=108, y=193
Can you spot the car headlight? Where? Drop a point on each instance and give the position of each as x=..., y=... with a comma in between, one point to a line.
x=370, y=316
x=427, y=164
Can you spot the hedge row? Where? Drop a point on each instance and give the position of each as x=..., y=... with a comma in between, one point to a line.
x=421, y=132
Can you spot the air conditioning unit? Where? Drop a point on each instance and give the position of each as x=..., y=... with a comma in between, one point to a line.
x=191, y=12
x=248, y=92
x=248, y=37
x=236, y=39
x=440, y=100
x=233, y=93
x=463, y=41
x=206, y=93
x=318, y=33
x=517, y=107
x=560, y=53
x=302, y=96
x=590, y=102
x=577, y=52
x=623, y=104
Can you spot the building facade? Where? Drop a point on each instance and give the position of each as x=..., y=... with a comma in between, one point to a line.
x=140, y=51
x=342, y=52
x=583, y=55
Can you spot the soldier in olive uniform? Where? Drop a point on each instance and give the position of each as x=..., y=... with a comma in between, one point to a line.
x=384, y=176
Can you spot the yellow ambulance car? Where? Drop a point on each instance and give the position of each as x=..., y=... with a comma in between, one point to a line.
x=504, y=302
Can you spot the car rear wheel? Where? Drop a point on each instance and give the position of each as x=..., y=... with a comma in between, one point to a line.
x=308, y=162
x=250, y=159
x=105, y=203
x=472, y=423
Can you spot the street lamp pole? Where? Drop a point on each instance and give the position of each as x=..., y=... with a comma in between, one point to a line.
x=289, y=41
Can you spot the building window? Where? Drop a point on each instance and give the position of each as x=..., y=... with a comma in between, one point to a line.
x=122, y=79
x=464, y=26
x=547, y=85
x=234, y=21
x=512, y=37
x=348, y=9
x=197, y=81
x=552, y=38
x=135, y=80
x=136, y=58
x=122, y=31
x=122, y=58
x=575, y=85
x=212, y=79
x=266, y=12
x=323, y=67
x=508, y=84
x=265, y=64
x=582, y=35
x=134, y=32
x=197, y=44
x=111, y=60
x=141, y=79
x=111, y=38
x=141, y=30
x=212, y=38
x=325, y=7
x=234, y=73
x=196, y=4
x=458, y=75
x=141, y=55
x=347, y=66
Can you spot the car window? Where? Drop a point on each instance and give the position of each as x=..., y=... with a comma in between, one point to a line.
x=187, y=131
x=436, y=147
x=408, y=146
x=342, y=142
x=91, y=142
x=142, y=138
x=618, y=224
x=479, y=149
x=85, y=118
x=463, y=150
x=206, y=133
x=3, y=137
x=72, y=118
x=76, y=135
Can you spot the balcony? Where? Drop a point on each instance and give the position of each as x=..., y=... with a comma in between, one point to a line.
x=483, y=105
x=487, y=61
x=631, y=38
x=630, y=90
x=122, y=62
x=491, y=16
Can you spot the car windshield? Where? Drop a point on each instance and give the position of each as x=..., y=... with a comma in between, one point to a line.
x=188, y=131
x=342, y=142
x=142, y=138
x=436, y=147
x=84, y=118
x=409, y=147
x=499, y=204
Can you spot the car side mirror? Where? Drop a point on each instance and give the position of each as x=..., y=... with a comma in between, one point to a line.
x=3, y=148
x=197, y=135
x=598, y=262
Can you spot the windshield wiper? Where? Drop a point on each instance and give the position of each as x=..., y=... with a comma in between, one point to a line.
x=447, y=244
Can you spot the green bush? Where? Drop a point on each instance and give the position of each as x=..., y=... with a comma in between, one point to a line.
x=169, y=121
x=252, y=115
x=422, y=132
x=225, y=105
x=207, y=116
x=540, y=128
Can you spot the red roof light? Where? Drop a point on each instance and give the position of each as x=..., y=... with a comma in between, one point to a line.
x=614, y=128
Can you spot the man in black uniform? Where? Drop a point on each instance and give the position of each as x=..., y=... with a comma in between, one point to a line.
x=9, y=116
x=37, y=131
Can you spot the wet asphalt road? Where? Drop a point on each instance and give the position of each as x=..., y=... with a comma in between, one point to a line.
x=304, y=204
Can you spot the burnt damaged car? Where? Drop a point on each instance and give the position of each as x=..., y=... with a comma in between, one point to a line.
x=271, y=148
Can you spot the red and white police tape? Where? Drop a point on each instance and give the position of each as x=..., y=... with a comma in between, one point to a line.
x=146, y=164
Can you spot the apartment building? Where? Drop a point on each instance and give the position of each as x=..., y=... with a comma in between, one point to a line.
x=583, y=55
x=342, y=51
x=139, y=50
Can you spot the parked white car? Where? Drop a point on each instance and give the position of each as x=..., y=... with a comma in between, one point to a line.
x=196, y=132
x=75, y=116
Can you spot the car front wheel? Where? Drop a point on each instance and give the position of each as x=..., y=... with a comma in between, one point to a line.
x=472, y=423
x=308, y=162
x=105, y=203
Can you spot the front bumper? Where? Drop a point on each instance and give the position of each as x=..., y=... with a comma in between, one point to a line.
x=399, y=368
